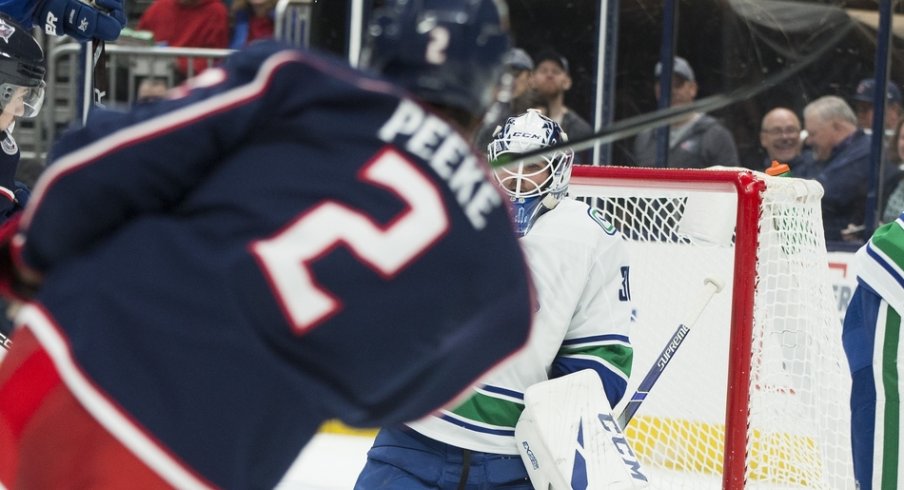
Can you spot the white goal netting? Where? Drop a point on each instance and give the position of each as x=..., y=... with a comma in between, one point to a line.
x=757, y=394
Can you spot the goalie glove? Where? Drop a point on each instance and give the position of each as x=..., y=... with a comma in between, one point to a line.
x=100, y=19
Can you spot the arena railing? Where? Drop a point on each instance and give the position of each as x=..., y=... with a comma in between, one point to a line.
x=126, y=66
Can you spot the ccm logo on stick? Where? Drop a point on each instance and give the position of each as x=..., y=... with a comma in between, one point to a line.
x=621, y=445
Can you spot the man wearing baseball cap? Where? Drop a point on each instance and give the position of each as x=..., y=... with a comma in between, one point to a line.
x=696, y=141
x=863, y=105
x=551, y=79
x=520, y=66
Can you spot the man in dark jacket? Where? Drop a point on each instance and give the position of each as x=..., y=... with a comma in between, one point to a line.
x=841, y=164
x=694, y=142
x=552, y=79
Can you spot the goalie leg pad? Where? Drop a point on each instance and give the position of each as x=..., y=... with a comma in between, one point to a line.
x=569, y=439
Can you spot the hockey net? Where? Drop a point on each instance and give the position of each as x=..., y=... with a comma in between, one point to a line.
x=757, y=395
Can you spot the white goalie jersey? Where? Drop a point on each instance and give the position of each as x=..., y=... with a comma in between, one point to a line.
x=581, y=272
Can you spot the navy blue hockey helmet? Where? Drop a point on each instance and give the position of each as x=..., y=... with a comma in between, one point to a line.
x=21, y=67
x=446, y=52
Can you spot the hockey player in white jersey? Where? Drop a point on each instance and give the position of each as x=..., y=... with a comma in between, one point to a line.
x=580, y=270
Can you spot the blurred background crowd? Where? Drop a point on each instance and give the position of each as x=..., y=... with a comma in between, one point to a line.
x=798, y=77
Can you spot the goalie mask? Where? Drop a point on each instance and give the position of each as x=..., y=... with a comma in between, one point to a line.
x=21, y=70
x=538, y=186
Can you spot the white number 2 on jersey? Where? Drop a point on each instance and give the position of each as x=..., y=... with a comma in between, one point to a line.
x=436, y=48
x=285, y=257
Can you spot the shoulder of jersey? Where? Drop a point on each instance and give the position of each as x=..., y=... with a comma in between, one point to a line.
x=574, y=221
x=580, y=212
x=599, y=218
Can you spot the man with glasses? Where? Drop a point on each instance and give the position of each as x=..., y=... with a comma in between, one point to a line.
x=780, y=137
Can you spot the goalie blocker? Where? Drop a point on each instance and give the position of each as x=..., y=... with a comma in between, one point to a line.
x=568, y=437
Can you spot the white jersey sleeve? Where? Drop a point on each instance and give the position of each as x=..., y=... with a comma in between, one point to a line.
x=580, y=268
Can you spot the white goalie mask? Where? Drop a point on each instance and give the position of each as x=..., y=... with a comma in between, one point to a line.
x=538, y=186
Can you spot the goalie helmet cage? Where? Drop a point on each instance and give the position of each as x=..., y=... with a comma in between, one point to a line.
x=757, y=395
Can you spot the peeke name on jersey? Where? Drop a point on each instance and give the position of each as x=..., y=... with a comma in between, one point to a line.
x=448, y=154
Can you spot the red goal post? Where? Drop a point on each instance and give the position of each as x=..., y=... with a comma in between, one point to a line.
x=757, y=395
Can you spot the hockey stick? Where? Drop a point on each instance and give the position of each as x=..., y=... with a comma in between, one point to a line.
x=87, y=80
x=90, y=97
x=711, y=286
x=94, y=71
x=5, y=342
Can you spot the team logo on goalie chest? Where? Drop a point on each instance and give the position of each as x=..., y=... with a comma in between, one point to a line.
x=601, y=220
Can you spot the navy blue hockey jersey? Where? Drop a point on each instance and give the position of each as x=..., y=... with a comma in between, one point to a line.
x=282, y=241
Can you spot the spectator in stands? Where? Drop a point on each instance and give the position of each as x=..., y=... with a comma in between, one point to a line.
x=863, y=106
x=530, y=100
x=780, y=138
x=696, y=141
x=894, y=160
x=188, y=23
x=841, y=164
x=551, y=79
x=251, y=20
x=519, y=65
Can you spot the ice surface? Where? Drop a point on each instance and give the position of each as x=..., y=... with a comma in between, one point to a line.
x=328, y=462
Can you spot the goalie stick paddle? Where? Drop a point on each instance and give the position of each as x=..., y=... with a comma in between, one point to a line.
x=711, y=286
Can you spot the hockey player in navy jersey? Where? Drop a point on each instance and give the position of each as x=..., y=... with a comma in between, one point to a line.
x=79, y=19
x=281, y=241
x=21, y=96
x=580, y=269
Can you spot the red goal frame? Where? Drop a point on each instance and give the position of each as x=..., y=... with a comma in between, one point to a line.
x=749, y=189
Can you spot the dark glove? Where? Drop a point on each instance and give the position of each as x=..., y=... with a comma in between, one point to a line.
x=102, y=19
x=11, y=284
x=21, y=193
